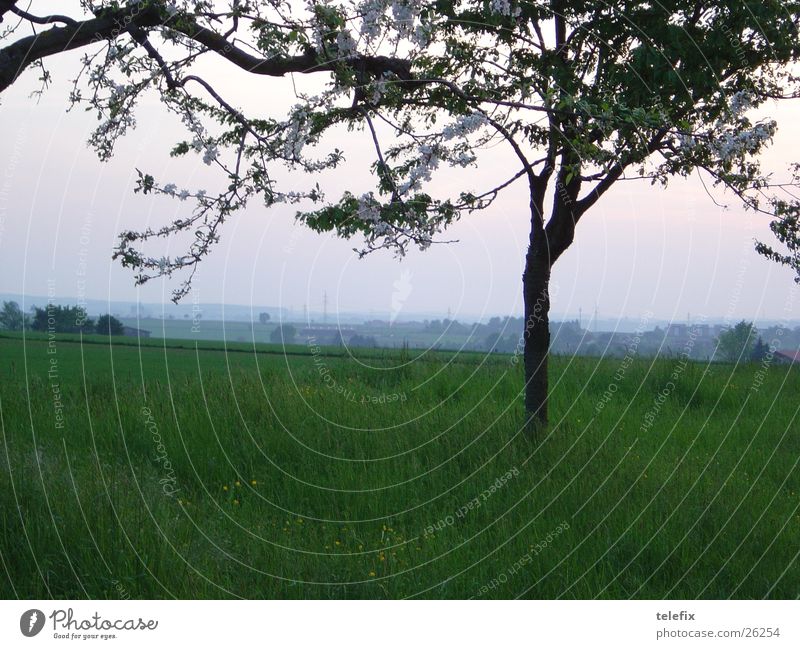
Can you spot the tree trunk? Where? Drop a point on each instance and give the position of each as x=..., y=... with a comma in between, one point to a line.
x=536, y=296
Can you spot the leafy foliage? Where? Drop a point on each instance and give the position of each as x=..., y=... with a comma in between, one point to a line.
x=109, y=325
x=55, y=318
x=736, y=344
x=581, y=93
x=11, y=317
x=283, y=334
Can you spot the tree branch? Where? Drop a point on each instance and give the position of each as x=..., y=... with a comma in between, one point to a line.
x=111, y=23
x=42, y=20
x=5, y=7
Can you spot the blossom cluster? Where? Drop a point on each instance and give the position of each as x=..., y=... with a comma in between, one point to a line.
x=505, y=8
x=421, y=171
x=202, y=141
x=732, y=136
x=464, y=125
x=735, y=144
x=405, y=15
x=740, y=102
x=297, y=135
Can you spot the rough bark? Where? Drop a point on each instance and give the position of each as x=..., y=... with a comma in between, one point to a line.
x=547, y=243
x=536, y=291
x=536, y=299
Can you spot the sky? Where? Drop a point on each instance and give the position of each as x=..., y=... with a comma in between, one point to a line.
x=670, y=252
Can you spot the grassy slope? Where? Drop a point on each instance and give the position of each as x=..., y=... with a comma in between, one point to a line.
x=335, y=494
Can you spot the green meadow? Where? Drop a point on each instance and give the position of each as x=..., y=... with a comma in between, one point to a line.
x=206, y=470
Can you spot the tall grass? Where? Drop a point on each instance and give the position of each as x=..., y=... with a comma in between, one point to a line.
x=210, y=474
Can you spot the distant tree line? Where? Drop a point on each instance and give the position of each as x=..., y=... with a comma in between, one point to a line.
x=58, y=319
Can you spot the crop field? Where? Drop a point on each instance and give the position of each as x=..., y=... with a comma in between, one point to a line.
x=214, y=470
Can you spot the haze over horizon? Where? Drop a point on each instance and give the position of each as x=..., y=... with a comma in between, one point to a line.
x=669, y=251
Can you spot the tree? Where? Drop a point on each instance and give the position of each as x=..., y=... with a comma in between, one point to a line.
x=357, y=340
x=11, y=317
x=583, y=95
x=760, y=351
x=56, y=318
x=736, y=344
x=109, y=325
x=263, y=318
x=492, y=340
x=283, y=334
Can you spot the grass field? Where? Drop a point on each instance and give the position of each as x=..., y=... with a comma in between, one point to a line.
x=168, y=471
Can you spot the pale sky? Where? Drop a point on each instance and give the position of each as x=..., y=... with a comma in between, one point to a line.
x=640, y=248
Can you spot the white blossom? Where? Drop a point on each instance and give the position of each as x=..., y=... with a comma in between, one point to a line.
x=345, y=43
x=210, y=155
x=117, y=91
x=740, y=102
x=382, y=229
x=464, y=159
x=378, y=90
x=422, y=34
x=503, y=7
x=297, y=134
x=421, y=171
x=170, y=189
x=735, y=144
x=369, y=209
x=373, y=12
x=686, y=141
x=405, y=13
x=464, y=125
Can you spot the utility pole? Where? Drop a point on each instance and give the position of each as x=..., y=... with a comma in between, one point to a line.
x=325, y=307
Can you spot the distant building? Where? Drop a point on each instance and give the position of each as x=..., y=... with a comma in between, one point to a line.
x=677, y=330
x=136, y=333
x=787, y=356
